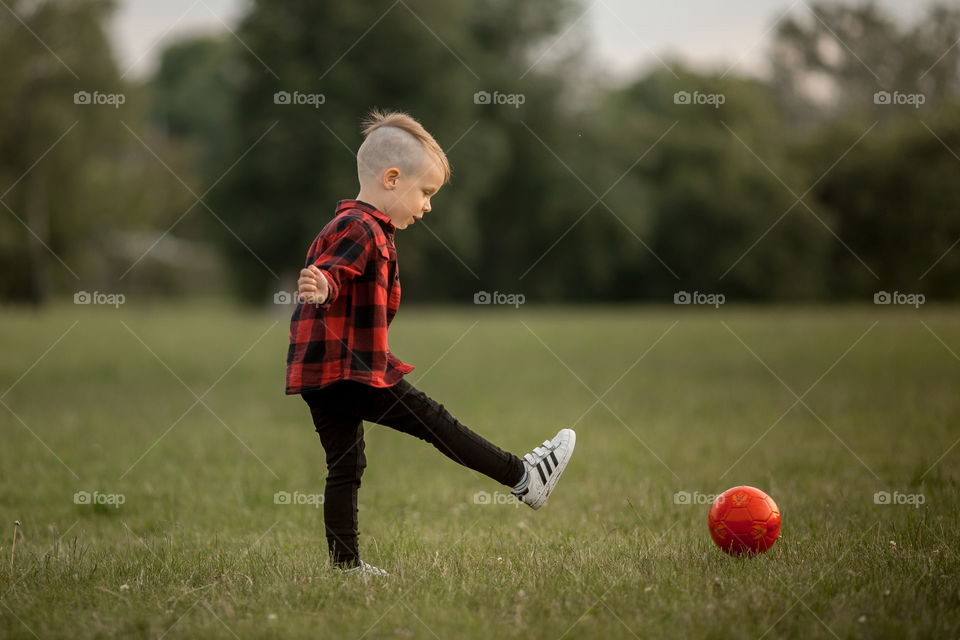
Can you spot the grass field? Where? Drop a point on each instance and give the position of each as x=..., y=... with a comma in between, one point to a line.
x=689, y=401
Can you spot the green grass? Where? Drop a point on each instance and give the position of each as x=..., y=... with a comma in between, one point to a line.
x=199, y=549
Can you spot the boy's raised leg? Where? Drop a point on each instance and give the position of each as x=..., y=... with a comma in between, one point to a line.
x=405, y=408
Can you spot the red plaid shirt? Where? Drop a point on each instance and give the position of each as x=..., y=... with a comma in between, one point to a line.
x=345, y=338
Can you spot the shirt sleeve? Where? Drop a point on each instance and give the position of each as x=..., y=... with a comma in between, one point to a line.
x=345, y=258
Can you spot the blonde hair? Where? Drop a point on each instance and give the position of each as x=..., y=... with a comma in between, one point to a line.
x=395, y=139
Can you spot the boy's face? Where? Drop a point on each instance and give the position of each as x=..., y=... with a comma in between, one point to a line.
x=409, y=195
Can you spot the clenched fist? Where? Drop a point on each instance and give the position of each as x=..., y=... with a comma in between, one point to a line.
x=312, y=287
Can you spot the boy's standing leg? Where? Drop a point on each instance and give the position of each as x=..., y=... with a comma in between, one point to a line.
x=342, y=438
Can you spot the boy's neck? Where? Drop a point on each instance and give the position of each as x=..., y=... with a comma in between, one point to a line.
x=363, y=196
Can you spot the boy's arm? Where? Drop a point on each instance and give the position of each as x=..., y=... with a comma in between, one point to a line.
x=344, y=258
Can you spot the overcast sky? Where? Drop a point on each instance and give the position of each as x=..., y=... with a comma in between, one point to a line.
x=626, y=34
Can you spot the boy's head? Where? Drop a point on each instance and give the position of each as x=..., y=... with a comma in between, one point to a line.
x=400, y=166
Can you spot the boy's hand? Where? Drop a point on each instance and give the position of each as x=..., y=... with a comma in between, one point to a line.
x=312, y=287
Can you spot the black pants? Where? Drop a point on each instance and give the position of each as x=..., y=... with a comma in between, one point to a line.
x=338, y=412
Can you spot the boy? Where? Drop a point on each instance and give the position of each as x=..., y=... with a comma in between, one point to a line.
x=339, y=361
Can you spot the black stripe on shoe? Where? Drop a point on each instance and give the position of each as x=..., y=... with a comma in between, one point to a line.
x=546, y=463
x=554, y=458
x=543, y=478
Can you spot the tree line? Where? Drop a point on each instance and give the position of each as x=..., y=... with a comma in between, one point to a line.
x=831, y=177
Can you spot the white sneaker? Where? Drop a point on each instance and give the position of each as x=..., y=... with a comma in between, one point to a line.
x=364, y=569
x=544, y=465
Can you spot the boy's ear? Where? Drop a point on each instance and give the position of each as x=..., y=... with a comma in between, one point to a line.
x=390, y=178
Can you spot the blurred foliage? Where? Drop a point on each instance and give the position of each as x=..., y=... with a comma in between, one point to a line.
x=895, y=202
x=833, y=59
x=800, y=186
x=77, y=179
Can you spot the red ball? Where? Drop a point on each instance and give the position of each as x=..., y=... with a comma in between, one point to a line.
x=744, y=520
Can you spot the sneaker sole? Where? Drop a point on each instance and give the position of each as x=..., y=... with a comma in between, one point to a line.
x=541, y=499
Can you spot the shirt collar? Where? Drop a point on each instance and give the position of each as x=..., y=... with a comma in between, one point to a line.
x=369, y=209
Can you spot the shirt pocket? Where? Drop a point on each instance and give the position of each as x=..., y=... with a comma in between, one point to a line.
x=393, y=283
x=377, y=265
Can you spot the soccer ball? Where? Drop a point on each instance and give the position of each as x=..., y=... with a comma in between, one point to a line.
x=744, y=520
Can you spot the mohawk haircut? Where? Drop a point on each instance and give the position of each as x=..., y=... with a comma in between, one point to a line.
x=395, y=139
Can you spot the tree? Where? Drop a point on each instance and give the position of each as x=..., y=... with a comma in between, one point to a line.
x=884, y=171
x=70, y=172
x=721, y=182
x=425, y=57
x=834, y=59
x=895, y=202
x=37, y=110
